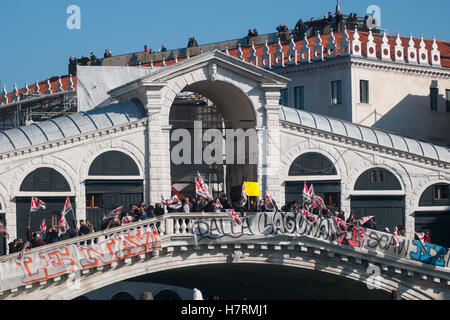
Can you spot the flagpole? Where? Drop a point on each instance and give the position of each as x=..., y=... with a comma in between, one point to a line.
x=29, y=220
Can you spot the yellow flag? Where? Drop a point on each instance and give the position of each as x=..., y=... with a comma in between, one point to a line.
x=252, y=189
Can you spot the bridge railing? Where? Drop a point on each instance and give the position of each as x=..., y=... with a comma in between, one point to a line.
x=108, y=247
x=170, y=224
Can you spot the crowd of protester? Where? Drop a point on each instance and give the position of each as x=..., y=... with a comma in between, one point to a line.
x=136, y=213
x=328, y=22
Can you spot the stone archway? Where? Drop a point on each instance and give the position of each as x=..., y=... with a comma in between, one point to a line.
x=221, y=112
x=248, y=97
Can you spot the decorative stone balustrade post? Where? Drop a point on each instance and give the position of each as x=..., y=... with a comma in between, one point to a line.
x=266, y=59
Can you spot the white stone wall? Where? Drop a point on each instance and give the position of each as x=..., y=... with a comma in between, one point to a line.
x=399, y=95
x=399, y=101
x=72, y=160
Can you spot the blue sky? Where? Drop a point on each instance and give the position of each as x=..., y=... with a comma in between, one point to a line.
x=36, y=44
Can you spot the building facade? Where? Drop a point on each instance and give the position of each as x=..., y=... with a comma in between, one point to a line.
x=348, y=128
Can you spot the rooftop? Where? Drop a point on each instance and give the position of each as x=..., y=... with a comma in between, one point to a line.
x=363, y=133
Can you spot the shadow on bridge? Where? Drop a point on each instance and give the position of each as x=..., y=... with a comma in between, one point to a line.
x=265, y=282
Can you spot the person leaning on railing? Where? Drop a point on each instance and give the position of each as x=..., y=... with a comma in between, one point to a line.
x=114, y=223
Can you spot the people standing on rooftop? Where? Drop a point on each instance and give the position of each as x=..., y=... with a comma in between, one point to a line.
x=338, y=20
x=163, y=48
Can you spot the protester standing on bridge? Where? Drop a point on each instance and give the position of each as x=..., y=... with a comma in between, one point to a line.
x=127, y=219
x=262, y=206
x=351, y=219
x=225, y=203
x=371, y=224
x=217, y=206
x=427, y=237
x=114, y=223
x=159, y=211
x=52, y=235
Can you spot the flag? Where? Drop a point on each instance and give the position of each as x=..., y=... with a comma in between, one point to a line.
x=63, y=225
x=268, y=203
x=43, y=227
x=306, y=195
x=175, y=192
x=201, y=188
x=3, y=232
x=127, y=220
x=21, y=255
x=235, y=217
x=37, y=204
x=341, y=225
x=312, y=195
x=67, y=206
x=395, y=237
x=364, y=220
x=243, y=196
x=173, y=203
x=421, y=236
x=252, y=189
x=308, y=216
x=113, y=213
x=319, y=200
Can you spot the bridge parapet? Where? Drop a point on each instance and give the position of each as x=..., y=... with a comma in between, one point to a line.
x=259, y=239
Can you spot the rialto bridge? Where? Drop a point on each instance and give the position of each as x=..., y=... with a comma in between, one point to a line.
x=122, y=153
x=72, y=268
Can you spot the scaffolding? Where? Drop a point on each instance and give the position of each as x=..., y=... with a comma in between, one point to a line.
x=37, y=108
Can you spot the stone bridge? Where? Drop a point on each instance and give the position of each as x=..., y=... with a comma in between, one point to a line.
x=72, y=268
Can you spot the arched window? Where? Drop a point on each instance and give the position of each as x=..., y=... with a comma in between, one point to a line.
x=435, y=195
x=113, y=163
x=312, y=164
x=123, y=296
x=377, y=179
x=167, y=295
x=45, y=180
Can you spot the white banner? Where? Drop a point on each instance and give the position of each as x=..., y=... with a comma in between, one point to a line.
x=293, y=226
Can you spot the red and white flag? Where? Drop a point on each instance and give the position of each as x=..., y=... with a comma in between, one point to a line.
x=243, y=196
x=201, y=188
x=365, y=219
x=67, y=206
x=21, y=255
x=43, y=227
x=173, y=203
x=268, y=203
x=306, y=195
x=127, y=220
x=235, y=217
x=312, y=196
x=308, y=216
x=395, y=237
x=3, y=232
x=63, y=225
x=113, y=213
x=37, y=204
x=319, y=200
x=421, y=236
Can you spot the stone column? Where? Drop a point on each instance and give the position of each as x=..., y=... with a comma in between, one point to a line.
x=271, y=142
x=158, y=144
